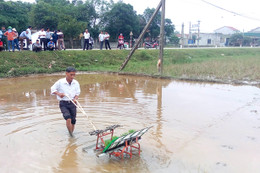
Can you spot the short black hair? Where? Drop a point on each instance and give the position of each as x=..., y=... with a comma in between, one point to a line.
x=70, y=69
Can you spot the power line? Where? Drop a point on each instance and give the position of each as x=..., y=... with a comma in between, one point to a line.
x=235, y=13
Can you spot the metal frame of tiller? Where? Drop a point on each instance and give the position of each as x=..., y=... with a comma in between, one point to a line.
x=128, y=144
x=131, y=145
x=102, y=133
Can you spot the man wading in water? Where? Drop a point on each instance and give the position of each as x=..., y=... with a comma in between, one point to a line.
x=67, y=86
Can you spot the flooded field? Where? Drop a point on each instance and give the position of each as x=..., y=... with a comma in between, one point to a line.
x=197, y=127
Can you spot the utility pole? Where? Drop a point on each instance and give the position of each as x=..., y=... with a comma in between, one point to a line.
x=198, y=33
x=162, y=37
x=141, y=36
x=182, y=35
x=131, y=38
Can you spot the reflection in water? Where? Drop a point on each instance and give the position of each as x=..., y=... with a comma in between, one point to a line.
x=69, y=158
x=196, y=127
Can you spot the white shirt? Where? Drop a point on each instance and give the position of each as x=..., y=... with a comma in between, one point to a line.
x=29, y=33
x=86, y=35
x=101, y=37
x=42, y=34
x=62, y=86
x=107, y=36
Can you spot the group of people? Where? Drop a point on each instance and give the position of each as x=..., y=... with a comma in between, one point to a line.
x=88, y=40
x=9, y=40
x=49, y=40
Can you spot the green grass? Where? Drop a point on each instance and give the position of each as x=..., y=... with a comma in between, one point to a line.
x=202, y=64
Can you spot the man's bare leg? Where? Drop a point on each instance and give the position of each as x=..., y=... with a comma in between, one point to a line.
x=70, y=126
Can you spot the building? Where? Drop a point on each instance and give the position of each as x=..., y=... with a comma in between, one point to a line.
x=227, y=30
x=254, y=34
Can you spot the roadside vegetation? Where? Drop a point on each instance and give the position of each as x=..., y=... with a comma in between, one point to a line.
x=219, y=65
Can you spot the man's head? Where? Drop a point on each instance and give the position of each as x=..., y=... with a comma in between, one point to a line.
x=106, y=33
x=42, y=29
x=27, y=31
x=37, y=41
x=86, y=30
x=70, y=73
x=3, y=27
x=48, y=29
x=30, y=27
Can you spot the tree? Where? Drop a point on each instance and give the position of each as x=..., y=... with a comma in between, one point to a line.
x=247, y=41
x=154, y=29
x=14, y=14
x=121, y=19
x=70, y=27
x=239, y=40
x=174, y=39
x=44, y=15
x=169, y=28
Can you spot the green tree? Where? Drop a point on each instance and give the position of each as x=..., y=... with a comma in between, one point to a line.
x=247, y=41
x=236, y=39
x=169, y=28
x=121, y=19
x=70, y=27
x=174, y=39
x=154, y=29
x=14, y=14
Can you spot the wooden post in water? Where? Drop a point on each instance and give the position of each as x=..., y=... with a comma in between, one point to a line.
x=141, y=36
x=162, y=37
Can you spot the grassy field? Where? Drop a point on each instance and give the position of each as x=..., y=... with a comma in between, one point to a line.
x=216, y=64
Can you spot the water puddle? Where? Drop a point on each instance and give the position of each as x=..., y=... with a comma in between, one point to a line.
x=197, y=127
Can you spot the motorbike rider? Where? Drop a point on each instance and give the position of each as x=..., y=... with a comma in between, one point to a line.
x=120, y=41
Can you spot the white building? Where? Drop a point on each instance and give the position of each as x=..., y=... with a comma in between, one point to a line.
x=227, y=30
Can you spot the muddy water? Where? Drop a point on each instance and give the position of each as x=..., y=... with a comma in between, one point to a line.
x=197, y=127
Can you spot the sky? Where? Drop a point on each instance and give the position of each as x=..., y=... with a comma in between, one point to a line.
x=242, y=15
x=212, y=14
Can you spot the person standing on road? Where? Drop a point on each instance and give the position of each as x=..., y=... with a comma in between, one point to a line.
x=42, y=36
x=86, y=39
x=29, y=29
x=10, y=37
x=23, y=35
x=4, y=38
x=101, y=39
x=15, y=42
x=55, y=39
x=48, y=37
x=61, y=44
x=107, y=36
x=67, y=86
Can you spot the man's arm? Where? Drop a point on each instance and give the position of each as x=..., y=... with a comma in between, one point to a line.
x=54, y=90
x=61, y=95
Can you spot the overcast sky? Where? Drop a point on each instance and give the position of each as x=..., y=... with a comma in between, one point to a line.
x=240, y=14
x=211, y=17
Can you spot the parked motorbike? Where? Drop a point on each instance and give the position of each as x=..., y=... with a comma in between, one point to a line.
x=148, y=45
x=91, y=43
x=121, y=44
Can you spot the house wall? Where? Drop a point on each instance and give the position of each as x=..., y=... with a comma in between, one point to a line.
x=208, y=39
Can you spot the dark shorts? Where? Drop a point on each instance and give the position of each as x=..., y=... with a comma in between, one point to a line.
x=68, y=110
